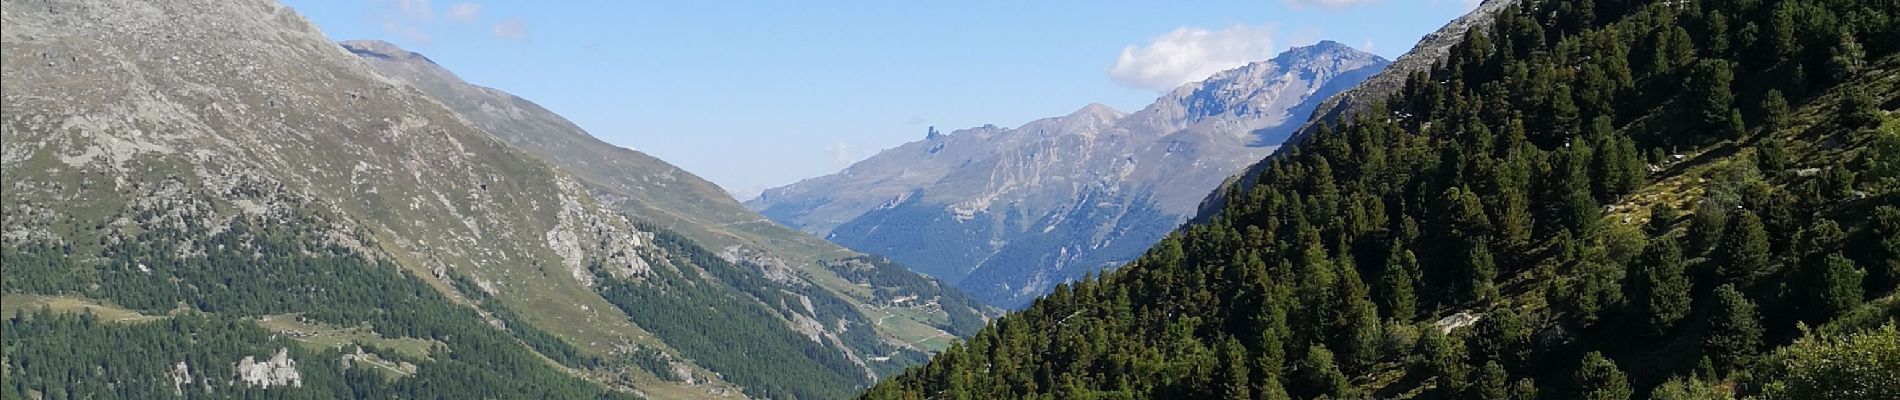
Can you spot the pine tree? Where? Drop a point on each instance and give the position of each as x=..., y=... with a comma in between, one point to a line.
x=1735, y=128
x=1358, y=326
x=1524, y=389
x=1692, y=389
x=1735, y=331
x=1480, y=271
x=1837, y=183
x=1774, y=110
x=1771, y=154
x=1744, y=251
x=1715, y=33
x=1880, y=163
x=1712, y=99
x=1510, y=201
x=1669, y=48
x=1886, y=249
x=1318, y=303
x=1600, y=379
x=1274, y=333
x=1858, y=109
x=1272, y=389
x=1839, y=289
x=1235, y=381
x=1707, y=225
x=1846, y=59
x=1661, y=218
x=1661, y=285
x=1438, y=358
x=1575, y=207
x=1397, y=285
x=1781, y=40
x=1619, y=168
x=1321, y=374
x=1492, y=383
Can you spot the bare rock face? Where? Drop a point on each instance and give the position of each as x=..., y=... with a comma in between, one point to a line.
x=181, y=376
x=1456, y=321
x=1006, y=214
x=279, y=371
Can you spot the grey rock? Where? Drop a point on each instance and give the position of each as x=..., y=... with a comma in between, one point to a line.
x=280, y=370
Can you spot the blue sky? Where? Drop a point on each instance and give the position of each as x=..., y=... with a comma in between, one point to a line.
x=753, y=95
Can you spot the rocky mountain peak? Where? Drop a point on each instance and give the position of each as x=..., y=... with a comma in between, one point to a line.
x=1097, y=111
x=1266, y=92
x=1325, y=48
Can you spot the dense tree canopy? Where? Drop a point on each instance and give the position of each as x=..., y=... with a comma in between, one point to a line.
x=1509, y=185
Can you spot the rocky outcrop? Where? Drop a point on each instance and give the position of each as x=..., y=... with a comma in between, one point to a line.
x=181, y=376
x=1007, y=213
x=280, y=370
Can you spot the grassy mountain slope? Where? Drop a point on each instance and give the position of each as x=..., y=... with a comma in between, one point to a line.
x=156, y=125
x=675, y=200
x=644, y=185
x=892, y=336
x=1588, y=199
x=222, y=166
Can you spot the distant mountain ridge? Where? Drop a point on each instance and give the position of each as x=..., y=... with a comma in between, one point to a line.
x=1008, y=213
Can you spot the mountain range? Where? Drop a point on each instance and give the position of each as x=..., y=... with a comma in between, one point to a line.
x=1007, y=213
x=1554, y=199
x=326, y=206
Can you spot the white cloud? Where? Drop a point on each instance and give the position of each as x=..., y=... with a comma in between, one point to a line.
x=1367, y=46
x=415, y=9
x=408, y=32
x=1189, y=54
x=839, y=153
x=511, y=28
x=464, y=12
x=405, y=19
x=1326, y=4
